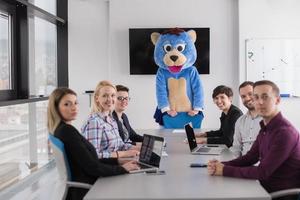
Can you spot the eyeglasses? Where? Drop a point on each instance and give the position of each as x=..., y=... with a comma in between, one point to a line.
x=120, y=98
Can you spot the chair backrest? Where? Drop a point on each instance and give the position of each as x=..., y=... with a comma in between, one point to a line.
x=60, y=157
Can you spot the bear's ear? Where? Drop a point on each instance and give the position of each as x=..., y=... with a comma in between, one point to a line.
x=154, y=37
x=193, y=35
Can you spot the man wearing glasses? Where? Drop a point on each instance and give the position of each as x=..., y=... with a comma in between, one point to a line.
x=127, y=134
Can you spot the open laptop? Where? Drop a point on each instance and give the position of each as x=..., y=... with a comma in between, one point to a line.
x=204, y=149
x=150, y=153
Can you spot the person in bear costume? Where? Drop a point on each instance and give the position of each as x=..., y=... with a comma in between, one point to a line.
x=179, y=90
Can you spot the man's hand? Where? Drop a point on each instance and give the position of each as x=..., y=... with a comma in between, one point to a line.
x=211, y=167
x=219, y=169
x=215, y=168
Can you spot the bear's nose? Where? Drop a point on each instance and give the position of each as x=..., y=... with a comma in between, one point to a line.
x=174, y=58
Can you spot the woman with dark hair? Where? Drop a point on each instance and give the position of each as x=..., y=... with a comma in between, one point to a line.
x=222, y=97
x=125, y=130
x=84, y=163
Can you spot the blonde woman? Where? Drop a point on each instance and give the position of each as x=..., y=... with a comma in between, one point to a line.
x=83, y=159
x=101, y=128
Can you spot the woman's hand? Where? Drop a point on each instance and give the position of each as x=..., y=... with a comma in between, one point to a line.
x=130, y=166
x=200, y=134
x=129, y=153
x=137, y=146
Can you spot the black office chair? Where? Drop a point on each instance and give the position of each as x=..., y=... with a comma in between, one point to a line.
x=283, y=193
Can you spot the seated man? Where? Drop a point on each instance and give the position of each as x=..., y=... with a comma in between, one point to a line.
x=222, y=97
x=126, y=132
x=277, y=147
x=247, y=126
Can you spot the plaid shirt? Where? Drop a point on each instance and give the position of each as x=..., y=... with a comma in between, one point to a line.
x=102, y=132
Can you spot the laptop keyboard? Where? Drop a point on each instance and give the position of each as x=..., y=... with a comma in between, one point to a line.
x=203, y=149
x=143, y=166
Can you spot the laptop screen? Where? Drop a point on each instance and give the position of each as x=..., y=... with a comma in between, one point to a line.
x=190, y=136
x=151, y=150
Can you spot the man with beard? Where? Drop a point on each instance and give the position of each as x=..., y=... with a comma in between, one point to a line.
x=247, y=126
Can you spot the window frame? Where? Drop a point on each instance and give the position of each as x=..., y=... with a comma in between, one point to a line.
x=11, y=93
x=20, y=10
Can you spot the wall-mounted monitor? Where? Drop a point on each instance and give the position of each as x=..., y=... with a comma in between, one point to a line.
x=141, y=50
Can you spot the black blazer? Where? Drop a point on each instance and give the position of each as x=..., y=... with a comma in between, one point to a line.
x=225, y=134
x=133, y=136
x=84, y=163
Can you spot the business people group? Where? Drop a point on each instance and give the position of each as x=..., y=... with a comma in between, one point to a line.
x=84, y=163
x=107, y=136
x=276, y=149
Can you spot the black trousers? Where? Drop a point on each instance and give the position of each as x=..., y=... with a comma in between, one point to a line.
x=290, y=197
x=76, y=193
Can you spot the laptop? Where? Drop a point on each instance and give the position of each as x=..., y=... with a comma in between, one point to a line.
x=150, y=154
x=204, y=149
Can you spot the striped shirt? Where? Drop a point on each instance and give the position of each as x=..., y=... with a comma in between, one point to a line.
x=102, y=132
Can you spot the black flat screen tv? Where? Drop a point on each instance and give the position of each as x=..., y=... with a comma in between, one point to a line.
x=141, y=50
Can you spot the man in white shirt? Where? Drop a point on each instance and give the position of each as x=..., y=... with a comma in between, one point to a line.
x=247, y=126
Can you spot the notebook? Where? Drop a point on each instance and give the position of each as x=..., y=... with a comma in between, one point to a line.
x=204, y=149
x=150, y=154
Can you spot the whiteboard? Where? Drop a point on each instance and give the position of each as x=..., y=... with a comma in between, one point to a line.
x=277, y=60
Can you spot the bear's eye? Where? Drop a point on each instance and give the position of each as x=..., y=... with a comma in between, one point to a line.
x=180, y=47
x=167, y=47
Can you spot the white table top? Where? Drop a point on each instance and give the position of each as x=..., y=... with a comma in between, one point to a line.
x=180, y=181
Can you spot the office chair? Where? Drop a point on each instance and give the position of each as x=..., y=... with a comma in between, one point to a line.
x=283, y=193
x=63, y=166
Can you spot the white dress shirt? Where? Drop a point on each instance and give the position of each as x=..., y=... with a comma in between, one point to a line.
x=245, y=133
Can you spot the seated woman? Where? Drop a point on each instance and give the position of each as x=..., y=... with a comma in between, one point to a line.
x=101, y=128
x=222, y=97
x=127, y=134
x=84, y=163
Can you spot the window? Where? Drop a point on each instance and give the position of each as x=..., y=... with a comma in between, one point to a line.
x=33, y=61
x=42, y=57
x=18, y=147
x=47, y=5
x=5, y=51
x=8, y=88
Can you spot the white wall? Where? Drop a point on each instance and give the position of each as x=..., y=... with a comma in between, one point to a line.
x=88, y=49
x=270, y=19
x=95, y=55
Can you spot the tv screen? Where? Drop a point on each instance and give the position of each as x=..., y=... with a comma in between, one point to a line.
x=141, y=50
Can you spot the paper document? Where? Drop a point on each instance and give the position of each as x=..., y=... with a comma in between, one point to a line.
x=164, y=154
x=178, y=131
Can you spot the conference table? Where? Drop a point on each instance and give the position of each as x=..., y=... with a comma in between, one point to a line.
x=180, y=180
